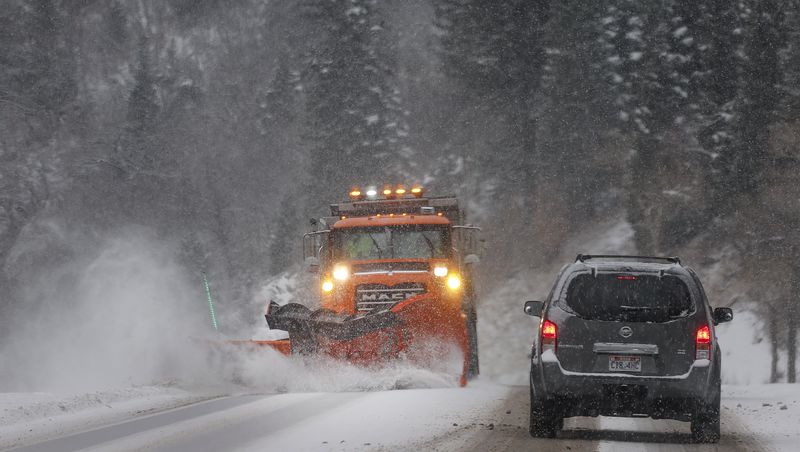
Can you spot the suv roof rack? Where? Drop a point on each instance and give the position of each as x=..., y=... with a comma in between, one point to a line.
x=585, y=257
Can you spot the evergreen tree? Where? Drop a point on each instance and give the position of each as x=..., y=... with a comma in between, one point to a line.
x=653, y=66
x=49, y=77
x=790, y=65
x=38, y=95
x=496, y=52
x=578, y=111
x=280, y=109
x=764, y=37
x=140, y=151
x=355, y=121
x=117, y=22
x=717, y=93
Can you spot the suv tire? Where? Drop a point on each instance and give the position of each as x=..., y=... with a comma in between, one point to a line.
x=545, y=421
x=705, y=420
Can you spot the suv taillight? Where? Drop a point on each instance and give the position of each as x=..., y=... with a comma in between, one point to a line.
x=702, y=343
x=549, y=335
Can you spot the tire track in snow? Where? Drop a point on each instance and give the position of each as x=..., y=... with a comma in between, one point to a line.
x=505, y=428
x=509, y=432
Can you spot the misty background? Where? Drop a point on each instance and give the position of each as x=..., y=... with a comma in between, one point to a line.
x=144, y=143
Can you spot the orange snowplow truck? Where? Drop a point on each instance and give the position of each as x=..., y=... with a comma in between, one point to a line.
x=396, y=282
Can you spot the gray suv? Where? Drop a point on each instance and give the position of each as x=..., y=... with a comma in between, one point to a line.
x=626, y=336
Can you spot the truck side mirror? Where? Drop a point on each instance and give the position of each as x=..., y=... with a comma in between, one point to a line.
x=534, y=308
x=722, y=315
x=312, y=264
x=471, y=259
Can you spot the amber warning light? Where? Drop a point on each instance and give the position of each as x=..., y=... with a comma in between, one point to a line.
x=388, y=192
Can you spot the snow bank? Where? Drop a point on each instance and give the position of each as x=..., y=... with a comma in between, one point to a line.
x=769, y=412
x=34, y=417
x=745, y=354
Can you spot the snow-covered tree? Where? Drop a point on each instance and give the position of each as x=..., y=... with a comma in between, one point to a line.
x=355, y=119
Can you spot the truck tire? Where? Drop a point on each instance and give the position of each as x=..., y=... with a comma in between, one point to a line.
x=472, y=335
x=545, y=420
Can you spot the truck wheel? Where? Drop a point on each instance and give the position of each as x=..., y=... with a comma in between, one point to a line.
x=545, y=420
x=472, y=336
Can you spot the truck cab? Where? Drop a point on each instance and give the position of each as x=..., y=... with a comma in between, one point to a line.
x=400, y=252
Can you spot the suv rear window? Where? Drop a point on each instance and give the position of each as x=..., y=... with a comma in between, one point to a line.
x=627, y=298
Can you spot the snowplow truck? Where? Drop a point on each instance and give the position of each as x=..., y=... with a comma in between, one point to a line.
x=395, y=282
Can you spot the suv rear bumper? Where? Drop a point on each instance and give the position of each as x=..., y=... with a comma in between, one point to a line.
x=591, y=394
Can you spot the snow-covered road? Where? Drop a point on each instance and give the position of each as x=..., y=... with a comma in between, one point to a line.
x=481, y=417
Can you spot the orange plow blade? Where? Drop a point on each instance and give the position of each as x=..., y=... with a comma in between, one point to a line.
x=406, y=330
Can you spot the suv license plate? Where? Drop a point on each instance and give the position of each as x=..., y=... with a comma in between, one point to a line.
x=625, y=363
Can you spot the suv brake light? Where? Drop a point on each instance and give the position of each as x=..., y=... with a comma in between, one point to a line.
x=549, y=335
x=703, y=343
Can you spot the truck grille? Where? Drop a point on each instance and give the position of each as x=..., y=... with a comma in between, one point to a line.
x=386, y=267
x=375, y=296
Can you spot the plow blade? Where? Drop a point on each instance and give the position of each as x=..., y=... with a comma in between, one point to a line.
x=282, y=346
x=302, y=323
x=407, y=329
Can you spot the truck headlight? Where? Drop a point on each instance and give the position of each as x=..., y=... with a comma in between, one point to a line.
x=327, y=286
x=440, y=271
x=453, y=282
x=341, y=272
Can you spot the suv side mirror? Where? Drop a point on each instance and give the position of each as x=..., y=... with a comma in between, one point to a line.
x=722, y=315
x=312, y=264
x=534, y=308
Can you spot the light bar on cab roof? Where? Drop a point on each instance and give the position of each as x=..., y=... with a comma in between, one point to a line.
x=388, y=192
x=355, y=194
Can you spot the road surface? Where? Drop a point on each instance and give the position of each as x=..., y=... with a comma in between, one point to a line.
x=482, y=417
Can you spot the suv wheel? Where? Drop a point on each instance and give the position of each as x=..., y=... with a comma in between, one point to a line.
x=705, y=421
x=545, y=420
x=705, y=428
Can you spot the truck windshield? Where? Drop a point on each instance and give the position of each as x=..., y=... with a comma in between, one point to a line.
x=395, y=242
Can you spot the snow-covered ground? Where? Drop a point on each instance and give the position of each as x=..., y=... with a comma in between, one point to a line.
x=27, y=417
x=770, y=412
x=764, y=417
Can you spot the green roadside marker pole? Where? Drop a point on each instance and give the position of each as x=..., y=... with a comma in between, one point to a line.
x=210, y=303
